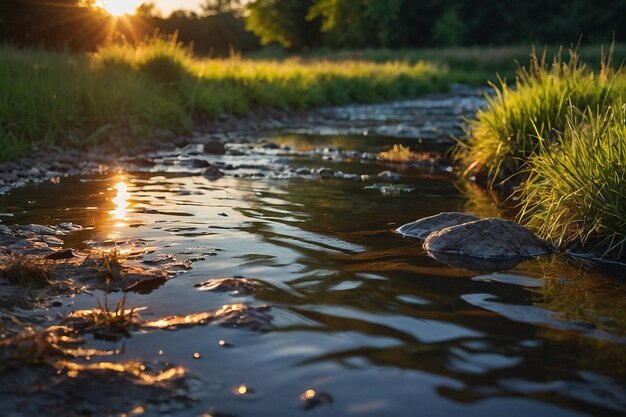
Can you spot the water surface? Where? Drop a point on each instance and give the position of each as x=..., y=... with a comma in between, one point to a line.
x=360, y=315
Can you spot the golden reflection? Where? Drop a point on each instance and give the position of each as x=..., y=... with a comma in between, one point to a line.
x=241, y=390
x=120, y=201
x=175, y=321
x=132, y=368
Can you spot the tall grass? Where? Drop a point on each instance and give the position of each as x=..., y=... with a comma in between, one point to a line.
x=576, y=189
x=48, y=98
x=51, y=98
x=472, y=65
x=559, y=135
x=506, y=133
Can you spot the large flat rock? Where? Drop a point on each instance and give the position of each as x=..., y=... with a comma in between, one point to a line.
x=421, y=228
x=487, y=239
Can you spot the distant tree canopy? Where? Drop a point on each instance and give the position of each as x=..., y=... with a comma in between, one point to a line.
x=227, y=25
x=415, y=23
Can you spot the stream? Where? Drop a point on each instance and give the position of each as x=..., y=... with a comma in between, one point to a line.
x=347, y=317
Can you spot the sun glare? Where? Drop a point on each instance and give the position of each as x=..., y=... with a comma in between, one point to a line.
x=119, y=7
x=120, y=201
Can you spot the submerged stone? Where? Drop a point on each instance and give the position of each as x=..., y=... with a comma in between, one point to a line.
x=423, y=227
x=389, y=176
x=212, y=173
x=236, y=286
x=487, y=239
x=390, y=189
x=256, y=319
x=214, y=147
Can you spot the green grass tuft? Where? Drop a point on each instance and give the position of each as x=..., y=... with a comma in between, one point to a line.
x=507, y=132
x=576, y=188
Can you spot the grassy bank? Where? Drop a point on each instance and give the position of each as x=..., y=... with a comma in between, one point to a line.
x=50, y=98
x=471, y=65
x=560, y=136
x=576, y=189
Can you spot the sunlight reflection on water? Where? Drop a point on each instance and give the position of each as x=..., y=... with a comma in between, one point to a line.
x=121, y=201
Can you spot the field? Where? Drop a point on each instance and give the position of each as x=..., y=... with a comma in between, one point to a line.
x=54, y=98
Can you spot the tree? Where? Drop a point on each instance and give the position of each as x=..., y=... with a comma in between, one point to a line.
x=214, y=7
x=358, y=23
x=285, y=22
x=147, y=9
x=449, y=30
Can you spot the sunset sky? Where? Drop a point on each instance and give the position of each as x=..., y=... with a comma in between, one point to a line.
x=167, y=6
x=118, y=7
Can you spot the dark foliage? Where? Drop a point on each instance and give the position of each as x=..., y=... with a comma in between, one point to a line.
x=224, y=25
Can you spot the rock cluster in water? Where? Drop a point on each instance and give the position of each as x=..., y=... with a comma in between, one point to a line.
x=34, y=266
x=458, y=237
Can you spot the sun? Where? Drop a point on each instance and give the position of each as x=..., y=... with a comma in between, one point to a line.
x=119, y=7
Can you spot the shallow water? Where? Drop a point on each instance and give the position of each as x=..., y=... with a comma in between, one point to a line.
x=359, y=314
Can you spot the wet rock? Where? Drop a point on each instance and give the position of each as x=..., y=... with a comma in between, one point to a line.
x=487, y=239
x=256, y=319
x=423, y=227
x=198, y=163
x=214, y=147
x=390, y=189
x=35, y=229
x=389, y=176
x=158, y=259
x=326, y=173
x=69, y=227
x=212, y=173
x=99, y=389
x=270, y=145
x=100, y=272
x=61, y=254
x=236, y=286
x=51, y=240
x=354, y=177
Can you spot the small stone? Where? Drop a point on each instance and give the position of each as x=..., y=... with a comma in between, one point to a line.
x=389, y=176
x=214, y=147
x=199, y=163
x=326, y=173
x=270, y=146
x=212, y=173
x=62, y=254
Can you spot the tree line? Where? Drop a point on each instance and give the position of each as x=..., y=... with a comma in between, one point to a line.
x=227, y=25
